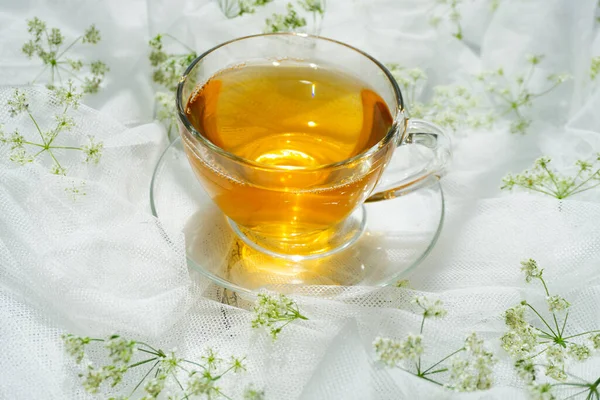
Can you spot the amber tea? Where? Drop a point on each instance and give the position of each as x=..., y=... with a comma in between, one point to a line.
x=287, y=119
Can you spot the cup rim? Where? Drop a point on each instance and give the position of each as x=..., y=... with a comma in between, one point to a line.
x=365, y=154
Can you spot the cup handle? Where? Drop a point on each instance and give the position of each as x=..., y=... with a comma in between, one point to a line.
x=431, y=136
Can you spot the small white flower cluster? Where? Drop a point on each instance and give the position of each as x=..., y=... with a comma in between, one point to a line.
x=289, y=22
x=448, y=9
x=557, y=303
x=541, y=392
x=452, y=106
x=253, y=394
x=120, y=349
x=455, y=107
x=595, y=67
x=522, y=338
x=555, y=356
x=93, y=151
x=516, y=96
x=544, y=180
x=393, y=352
x=431, y=308
x=166, y=111
x=48, y=51
x=531, y=270
x=595, y=341
x=275, y=312
x=67, y=97
x=75, y=346
x=472, y=370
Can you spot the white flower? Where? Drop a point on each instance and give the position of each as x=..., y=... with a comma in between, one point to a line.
x=170, y=362
x=120, y=349
x=579, y=352
x=93, y=379
x=154, y=386
x=75, y=346
x=18, y=103
x=473, y=371
x=556, y=372
x=541, y=392
x=525, y=370
x=91, y=35
x=271, y=311
x=557, y=303
x=253, y=394
x=595, y=340
x=392, y=352
x=514, y=317
x=521, y=341
x=93, y=151
x=199, y=384
x=58, y=170
x=555, y=355
x=531, y=268
x=403, y=283
x=431, y=308
x=68, y=95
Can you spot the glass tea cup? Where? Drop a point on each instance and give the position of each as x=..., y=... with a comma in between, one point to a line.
x=306, y=212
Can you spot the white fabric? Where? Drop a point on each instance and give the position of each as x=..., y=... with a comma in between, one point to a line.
x=100, y=263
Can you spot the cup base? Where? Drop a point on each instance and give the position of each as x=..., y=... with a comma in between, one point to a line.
x=310, y=247
x=398, y=235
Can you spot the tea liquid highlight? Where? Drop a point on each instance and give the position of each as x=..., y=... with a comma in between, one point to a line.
x=289, y=114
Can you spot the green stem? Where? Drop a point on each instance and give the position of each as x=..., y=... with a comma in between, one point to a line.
x=194, y=363
x=40, y=74
x=59, y=77
x=564, y=323
x=158, y=352
x=581, y=334
x=443, y=359
x=538, y=190
x=422, y=323
x=584, y=182
x=545, y=91
x=145, y=376
x=534, y=356
x=180, y=42
x=71, y=73
x=68, y=47
x=149, y=352
x=577, y=394
x=430, y=380
x=583, y=190
x=223, y=394
x=526, y=80
x=542, y=318
x=224, y=372
x=66, y=147
x=437, y=371
x=39, y=152
x=177, y=380
x=54, y=158
x=571, y=384
x=57, y=128
x=36, y=126
x=141, y=362
x=551, y=175
x=34, y=144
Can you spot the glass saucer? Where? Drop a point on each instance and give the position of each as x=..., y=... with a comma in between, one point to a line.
x=399, y=234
